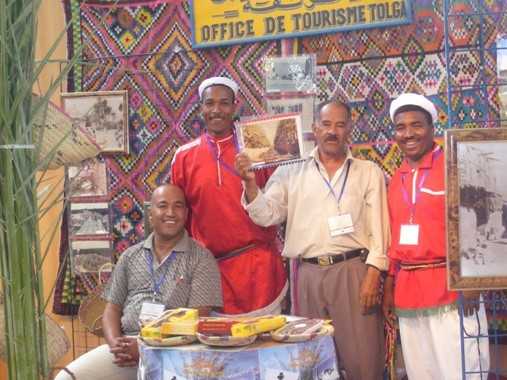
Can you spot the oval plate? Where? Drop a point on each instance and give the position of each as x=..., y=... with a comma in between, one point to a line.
x=225, y=341
x=326, y=329
x=168, y=342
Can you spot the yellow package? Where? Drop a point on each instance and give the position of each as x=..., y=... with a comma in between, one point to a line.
x=179, y=328
x=257, y=326
x=150, y=332
x=183, y=315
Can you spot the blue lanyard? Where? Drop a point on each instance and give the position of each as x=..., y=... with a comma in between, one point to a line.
x=214, y=151
x=406, y=198
x=339, y=197
x=158, y=284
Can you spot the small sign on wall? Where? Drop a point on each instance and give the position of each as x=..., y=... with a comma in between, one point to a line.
x=225, y=22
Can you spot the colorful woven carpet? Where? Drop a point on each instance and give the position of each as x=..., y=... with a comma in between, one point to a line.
x=144, y=46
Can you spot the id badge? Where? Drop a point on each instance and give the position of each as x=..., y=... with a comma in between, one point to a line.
x=409, y=234
x=340, y=224
x=150, y=311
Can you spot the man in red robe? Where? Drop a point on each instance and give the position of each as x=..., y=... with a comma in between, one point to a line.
x=416, y=289
x=253, y=276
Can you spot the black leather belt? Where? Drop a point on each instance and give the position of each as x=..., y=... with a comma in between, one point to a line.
x=236, y=252
x=334, y=259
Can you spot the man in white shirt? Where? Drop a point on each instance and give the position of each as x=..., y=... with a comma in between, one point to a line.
x=335, y=208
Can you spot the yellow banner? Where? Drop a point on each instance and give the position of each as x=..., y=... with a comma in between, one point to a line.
x=224, y=22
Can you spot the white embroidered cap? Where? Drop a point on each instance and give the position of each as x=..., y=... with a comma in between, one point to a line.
x=411, y=99
x=218, y=81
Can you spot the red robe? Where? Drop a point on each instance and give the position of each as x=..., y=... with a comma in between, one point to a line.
x=204, y=169
x=421, y=289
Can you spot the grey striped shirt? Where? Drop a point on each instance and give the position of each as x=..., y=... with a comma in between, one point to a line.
x=190, y=279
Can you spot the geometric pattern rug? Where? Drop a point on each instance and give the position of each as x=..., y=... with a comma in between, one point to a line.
x=144, y=47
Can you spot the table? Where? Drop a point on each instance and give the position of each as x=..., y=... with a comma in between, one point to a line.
x=262, y=360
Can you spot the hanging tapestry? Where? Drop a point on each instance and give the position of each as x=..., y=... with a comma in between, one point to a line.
x=144, y=47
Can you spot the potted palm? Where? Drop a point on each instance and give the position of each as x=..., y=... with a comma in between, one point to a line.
x=22, y=169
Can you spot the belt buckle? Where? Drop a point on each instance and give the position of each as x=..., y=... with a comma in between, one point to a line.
x=324, y=260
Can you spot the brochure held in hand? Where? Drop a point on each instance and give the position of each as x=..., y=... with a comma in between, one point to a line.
x=271, y=140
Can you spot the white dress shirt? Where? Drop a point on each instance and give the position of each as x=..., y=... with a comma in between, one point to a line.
x=298, y=194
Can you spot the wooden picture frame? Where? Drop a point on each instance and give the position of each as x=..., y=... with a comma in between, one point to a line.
x=295, y=73
x=89, y=221
x=476, y=208
x=103, y=115
x=89, y=256
x=88, y=180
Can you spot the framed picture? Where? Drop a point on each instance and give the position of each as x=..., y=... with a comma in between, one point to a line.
x=60, y=141
x=89, y=220
x=501, y=57
x=88, y=179
x=290, y=74
x=476, y=163
x=501, y=64
x=88, y=256
x=103, y=114
x=303, y=104
x=271, y=140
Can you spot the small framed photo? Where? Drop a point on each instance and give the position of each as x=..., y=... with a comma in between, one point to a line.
x=501, y=57
x=290, y=74
x=501, y=64
x=103, y=114
x=89, y=256
x=89, y=220
x=271, y=140
x=88, y=179
x=476, y=163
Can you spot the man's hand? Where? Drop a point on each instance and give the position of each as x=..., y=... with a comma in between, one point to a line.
x=368, y=296
x=243, y=166
x=471, y=302
x=125, y=351
x=388, y=301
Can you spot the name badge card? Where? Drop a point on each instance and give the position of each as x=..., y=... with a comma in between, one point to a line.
x=150, y=311
x=340, y=225
x=409, y=234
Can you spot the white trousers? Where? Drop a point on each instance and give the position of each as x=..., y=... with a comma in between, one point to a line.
x=97, y=364
x=432, y=349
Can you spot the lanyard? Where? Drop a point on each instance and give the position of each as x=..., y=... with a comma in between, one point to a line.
x=412, y=203
x=214, y=151
x=339, y=197
x=158, y=284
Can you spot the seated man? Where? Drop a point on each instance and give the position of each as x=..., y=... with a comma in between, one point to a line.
x=167, y=270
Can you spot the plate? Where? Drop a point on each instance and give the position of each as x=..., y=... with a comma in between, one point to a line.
x=281, y=334
x=169, y=342
x=225, y=341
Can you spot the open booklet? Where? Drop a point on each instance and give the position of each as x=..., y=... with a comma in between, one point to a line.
x=271, y=140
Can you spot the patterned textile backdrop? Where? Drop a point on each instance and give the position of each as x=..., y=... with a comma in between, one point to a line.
x=144, y=46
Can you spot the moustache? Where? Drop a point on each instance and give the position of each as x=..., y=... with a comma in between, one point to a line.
x=331, y=138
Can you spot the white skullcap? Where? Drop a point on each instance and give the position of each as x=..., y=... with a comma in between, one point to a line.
x=410, y=99
x=213, y=81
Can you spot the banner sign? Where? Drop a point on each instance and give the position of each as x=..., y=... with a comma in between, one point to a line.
x=225, y=22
